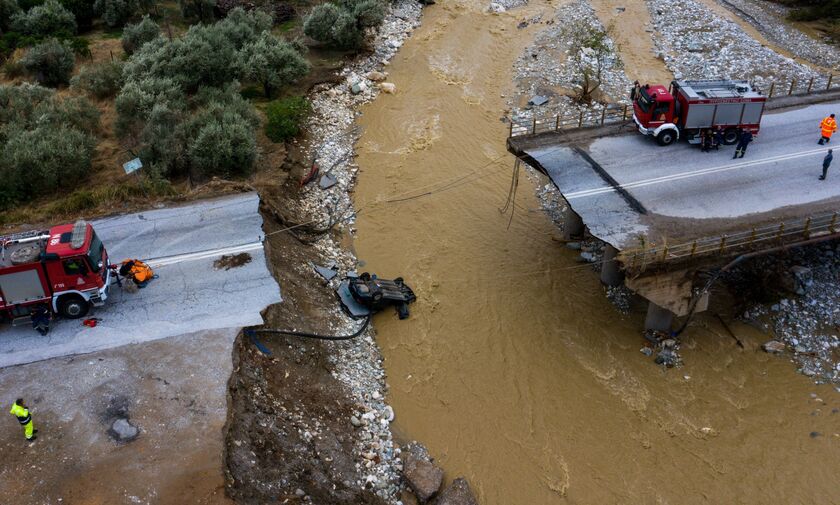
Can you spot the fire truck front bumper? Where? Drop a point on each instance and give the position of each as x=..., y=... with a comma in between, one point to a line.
x=98, y=297
x=642, y=129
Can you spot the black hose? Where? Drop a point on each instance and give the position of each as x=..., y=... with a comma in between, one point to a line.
x=304, y=334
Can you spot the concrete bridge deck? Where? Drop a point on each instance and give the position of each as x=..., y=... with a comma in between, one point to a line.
x=629, y=191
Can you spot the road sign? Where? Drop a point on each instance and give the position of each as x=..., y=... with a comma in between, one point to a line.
x=133, y=165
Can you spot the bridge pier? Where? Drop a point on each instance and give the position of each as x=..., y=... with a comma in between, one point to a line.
x=611, y=273
x=658, y=318
x=573, y=226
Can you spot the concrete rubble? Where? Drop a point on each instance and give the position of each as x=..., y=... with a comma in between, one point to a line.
x=422, y=475
x=457, y=493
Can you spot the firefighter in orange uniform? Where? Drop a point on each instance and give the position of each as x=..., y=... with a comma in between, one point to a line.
x=827, y=127
x=137, y=271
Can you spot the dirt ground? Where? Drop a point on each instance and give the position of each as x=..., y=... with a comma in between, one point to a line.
x=173, y=390
x=268, y=453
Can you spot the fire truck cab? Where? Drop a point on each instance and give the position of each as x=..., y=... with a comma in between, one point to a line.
x=65, y=269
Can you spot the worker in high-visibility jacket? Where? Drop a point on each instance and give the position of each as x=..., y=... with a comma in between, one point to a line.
x=20, y=411
x=827, y=127
x=137, y=271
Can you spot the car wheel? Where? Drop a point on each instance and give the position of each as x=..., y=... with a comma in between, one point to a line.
x=73, y=306
x=730, y=136
x=666, y=137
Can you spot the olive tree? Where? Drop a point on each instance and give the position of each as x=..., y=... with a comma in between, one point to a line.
x=591, y=52
x=101, y=80
x=137, y=34
x=116, y=12
x=343, y=25
x=138, y=97
x=50, y=62
x=201, y=10
x=8, y=10
x=49, y=19
x=273, y=63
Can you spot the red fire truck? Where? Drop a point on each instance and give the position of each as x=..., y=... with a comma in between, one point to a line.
x=688, y=107
x=64, y=268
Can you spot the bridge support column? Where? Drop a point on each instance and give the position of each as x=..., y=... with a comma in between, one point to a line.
x=658, y=319
x=611, y=273
x=572, y=225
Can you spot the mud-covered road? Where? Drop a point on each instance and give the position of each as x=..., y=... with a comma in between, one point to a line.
x=514, y=369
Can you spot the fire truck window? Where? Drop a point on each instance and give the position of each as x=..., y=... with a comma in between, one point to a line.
x=75, y=267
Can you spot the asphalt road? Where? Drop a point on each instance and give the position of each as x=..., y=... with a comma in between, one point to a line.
x=189, y=295
x=780, y=170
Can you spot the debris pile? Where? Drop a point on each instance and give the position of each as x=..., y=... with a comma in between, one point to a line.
x=769, y=19
x=698, y=44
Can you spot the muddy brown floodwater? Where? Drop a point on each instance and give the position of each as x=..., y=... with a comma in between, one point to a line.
x=514, y=369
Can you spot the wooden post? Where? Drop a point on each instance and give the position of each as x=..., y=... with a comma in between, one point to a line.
x=693, y=249
x=752, y=236
x=830, y=77
x=510, y=133
x=624, y=114
x=534, y=129
x=722, y=244
x=557, y=123
x=772, y=87
x=781, y=230
x=810, y=84
x=580, y=119
x=833, y=222
x=792, y=84
x=665, y=253
x=807, y=230
x=603, y=115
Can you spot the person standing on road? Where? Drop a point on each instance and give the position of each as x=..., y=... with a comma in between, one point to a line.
x=827, y=127
x=718, y=138
x=20, y=411
x=826, y=164
x=744, y=138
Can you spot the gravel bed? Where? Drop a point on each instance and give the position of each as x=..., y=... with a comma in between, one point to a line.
x=806, y=319
x=769, y=19
x=331, y=137
x=542, y=69
x=697, y=44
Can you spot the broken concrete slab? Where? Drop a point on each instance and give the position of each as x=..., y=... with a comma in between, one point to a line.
x=354, y=308
x=327, y=181
x=123, y=431
x=458, y=493
x=422, y=475
x=538, y=100
x=327, y=272
x=189, y=295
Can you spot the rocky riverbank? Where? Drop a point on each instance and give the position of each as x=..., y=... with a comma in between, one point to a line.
x=769, y=19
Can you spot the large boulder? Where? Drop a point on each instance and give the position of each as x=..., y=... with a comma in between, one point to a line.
x=423, y=476
x=458, y=493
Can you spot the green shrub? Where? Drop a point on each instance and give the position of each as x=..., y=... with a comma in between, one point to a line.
x=8, y=9
x=343, y=26
x=116, y=12
x=201, y=10
x=285, y=117
x=223, y=147
x=40, y=161
x=101, y=80
x=18, y=104
x=13, y=69
x=273, y=63
x=50, y=19
x=161, y=140
x=73, y=111
x=137, y=98
x=135, y=35
x=50, y=62
x=82, y=11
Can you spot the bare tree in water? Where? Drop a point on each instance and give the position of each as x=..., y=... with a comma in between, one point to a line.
x=590, y=53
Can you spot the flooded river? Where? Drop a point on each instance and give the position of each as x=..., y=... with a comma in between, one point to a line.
x=514, y=369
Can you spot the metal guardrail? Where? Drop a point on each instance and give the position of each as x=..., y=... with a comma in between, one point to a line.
x=616, y=113
x=649, y=254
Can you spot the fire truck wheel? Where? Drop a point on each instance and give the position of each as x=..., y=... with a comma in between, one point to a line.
x=730, y=136
x=666, y=137
x=72, y=306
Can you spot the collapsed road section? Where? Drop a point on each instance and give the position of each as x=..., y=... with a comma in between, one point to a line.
x=667, y=211
x=189, y=295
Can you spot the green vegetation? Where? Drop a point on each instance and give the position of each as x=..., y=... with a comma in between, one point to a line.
x=46, y=142
x=180, y=104
x=116, y=12
x=814, y=10
x=50, y=62
x=285, y=117
x=343, y=25
x=50, y=19
x=101, y=80
x=135, y=35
